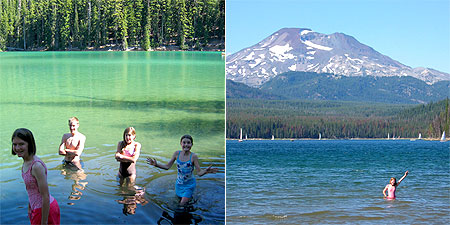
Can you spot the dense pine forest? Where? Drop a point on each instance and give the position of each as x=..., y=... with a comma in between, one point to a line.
x=112, y=24
x=335, y=119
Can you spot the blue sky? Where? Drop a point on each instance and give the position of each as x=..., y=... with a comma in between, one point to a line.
x=415, y=33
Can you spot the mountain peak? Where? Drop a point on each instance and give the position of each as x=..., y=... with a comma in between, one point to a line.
x=302, y=49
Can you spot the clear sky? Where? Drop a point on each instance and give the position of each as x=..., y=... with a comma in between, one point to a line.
x=414, y=32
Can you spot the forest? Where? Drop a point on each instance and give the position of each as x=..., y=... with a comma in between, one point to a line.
x=112, y=24
x=334, y=119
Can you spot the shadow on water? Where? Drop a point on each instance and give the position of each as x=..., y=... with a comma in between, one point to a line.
x=192, y=126
x=179, y=217
x=132, y=196
x=206, y=206
x=179, y=105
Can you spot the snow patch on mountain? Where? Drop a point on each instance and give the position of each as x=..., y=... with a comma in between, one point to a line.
x=310, y=44
x=292, y=68
x=303, y=32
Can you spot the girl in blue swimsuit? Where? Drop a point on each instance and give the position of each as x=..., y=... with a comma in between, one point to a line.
x=186, y=162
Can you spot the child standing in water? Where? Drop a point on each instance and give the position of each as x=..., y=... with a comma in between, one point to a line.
x=72, y=145
x=42, y=207
x=127, y=154
x=392, y=186
x=186, y=161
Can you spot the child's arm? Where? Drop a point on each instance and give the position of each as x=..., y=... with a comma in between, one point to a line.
x=153, y=162
x=134, y=158
x=38, y=171
x=201, y=172
x=118, y=155
x=399, y=181
x=384, y=190
x=62, y=146
x=79, y=149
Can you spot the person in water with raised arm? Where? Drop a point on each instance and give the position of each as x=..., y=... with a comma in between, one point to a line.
x=392, y=187
x=186, y=161
x=72, y=145
x=127, y=154
x=42, y=207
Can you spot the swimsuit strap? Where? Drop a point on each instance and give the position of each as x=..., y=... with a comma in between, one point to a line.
x=178, y=158
x=43, y=164
x=32, y=164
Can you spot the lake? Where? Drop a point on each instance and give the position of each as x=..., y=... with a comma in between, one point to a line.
x=337, y=182
x=164, y=95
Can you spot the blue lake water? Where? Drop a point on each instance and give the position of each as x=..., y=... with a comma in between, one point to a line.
x=338, y=182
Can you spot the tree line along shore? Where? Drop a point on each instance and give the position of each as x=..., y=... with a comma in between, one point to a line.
x=61, y=25
x=285, y=119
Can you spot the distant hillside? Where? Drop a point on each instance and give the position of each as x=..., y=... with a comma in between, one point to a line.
x=309, y=85
x=334, y=119
x=239, y=90
x=436, y=114
x=313, y=86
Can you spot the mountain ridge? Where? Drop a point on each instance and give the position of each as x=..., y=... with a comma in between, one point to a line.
x=301, y=49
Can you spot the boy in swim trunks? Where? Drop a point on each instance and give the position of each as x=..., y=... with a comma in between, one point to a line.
x=72, y=145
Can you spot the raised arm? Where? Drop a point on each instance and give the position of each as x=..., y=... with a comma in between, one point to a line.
x=200, y=171
x=153, y=162
x=399, y=181
x=38, y=171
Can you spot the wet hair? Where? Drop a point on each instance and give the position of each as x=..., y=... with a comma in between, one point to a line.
x=188, y=137
x=27, y=136
x=395, y=181
x=73, y=119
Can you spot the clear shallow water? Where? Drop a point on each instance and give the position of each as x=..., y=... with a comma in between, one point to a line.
x=162, y=94
x=337, y=182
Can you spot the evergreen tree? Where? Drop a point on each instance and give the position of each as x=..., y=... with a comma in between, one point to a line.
x=66, y=24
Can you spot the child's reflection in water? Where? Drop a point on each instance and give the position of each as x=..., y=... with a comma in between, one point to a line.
x=78, y=177
x=130, y=202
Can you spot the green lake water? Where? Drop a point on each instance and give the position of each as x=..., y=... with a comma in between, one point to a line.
x=164, y=95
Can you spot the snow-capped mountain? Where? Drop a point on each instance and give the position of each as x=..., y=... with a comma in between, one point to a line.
x=297, y=49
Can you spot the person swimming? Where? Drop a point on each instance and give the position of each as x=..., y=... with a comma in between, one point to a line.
x=392, y=187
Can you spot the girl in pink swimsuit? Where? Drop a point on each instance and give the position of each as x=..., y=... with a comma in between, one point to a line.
x=392, y=186
x=42, y=207
x=127, y=154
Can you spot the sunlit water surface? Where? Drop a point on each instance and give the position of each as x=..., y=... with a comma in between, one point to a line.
x=164, y=95
x=337, y=182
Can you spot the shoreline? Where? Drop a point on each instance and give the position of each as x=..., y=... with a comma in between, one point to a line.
x=329, y=139
x=113, y=47
x=116, y=50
